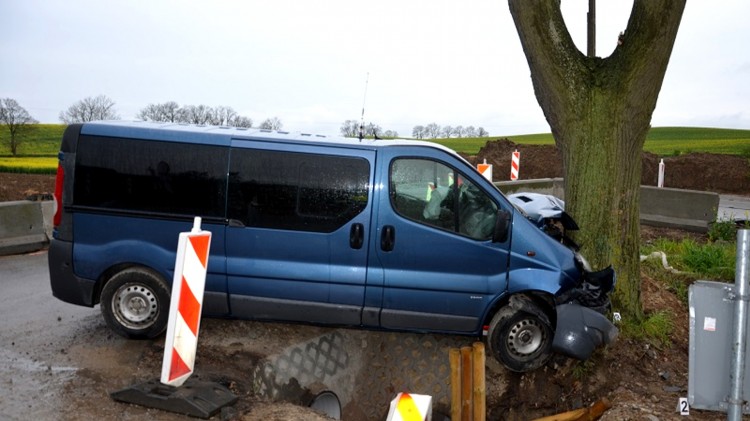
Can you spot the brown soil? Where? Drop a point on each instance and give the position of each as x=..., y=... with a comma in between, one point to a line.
x=694, y=171
x=642, y=381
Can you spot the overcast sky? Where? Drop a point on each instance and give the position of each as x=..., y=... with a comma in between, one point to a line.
x=307, y=61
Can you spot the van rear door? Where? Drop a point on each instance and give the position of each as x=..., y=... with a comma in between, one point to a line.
x=297, y=238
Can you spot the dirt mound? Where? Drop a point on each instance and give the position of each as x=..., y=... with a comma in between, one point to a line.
x=24, y=186
x=694, y=171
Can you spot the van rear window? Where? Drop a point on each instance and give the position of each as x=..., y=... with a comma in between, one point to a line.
x=296, y=191
x=151, y=176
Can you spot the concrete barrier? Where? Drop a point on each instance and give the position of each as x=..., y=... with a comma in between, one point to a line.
x=553, y=186
x=662, y=207
x=22, y=227
x=686, y=209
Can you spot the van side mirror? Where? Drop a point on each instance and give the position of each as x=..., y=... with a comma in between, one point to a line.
x=502, y=226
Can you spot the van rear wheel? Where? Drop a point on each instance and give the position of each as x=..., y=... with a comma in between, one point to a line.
x=520, y=336
x=135, y=303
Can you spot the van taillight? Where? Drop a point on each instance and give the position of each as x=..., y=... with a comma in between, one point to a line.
x=59, y=179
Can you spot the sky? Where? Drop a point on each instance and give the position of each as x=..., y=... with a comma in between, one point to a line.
x=316, y=63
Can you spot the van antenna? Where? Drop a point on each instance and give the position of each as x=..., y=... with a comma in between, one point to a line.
x=362, y=121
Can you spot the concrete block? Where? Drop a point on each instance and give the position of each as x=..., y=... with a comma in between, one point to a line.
x=553, y=186
x=21, y=227
x=686, y=209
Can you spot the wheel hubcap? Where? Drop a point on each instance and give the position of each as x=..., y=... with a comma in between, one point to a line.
x=135, y=305
x=526, y=337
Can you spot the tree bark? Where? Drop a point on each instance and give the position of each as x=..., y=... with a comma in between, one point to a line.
x=599, y=110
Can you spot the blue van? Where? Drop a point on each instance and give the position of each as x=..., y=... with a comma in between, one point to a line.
x=381, y=234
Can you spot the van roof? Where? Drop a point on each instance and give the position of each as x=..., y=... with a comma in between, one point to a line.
x=223, y=134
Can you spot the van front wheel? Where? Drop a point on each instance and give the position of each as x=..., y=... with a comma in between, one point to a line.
x=520, y=337
x=135, y=304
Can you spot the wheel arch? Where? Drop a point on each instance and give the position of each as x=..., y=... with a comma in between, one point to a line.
x=113, y=270
x=541, y=299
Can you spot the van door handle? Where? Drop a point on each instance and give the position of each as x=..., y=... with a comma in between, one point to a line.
x=388, y=238
x=357, y=236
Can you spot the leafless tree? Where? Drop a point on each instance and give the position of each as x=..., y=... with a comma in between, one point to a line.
x=350, y=128
x=372, y=130
x=17, y=120
x=223, y=116
x=418, y=132
x=447, y=131
x=272, y=123
x=90, y=109
x=432, y=130
x=241, y=121
x=481, y=132
x=167, y=112
x=196, y=114
x=459, y=131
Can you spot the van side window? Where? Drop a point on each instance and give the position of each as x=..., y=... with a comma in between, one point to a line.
x=151, y=176
x=296, y=191
x=435, y=194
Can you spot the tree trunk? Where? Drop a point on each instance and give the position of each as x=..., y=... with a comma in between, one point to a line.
x=599, y=111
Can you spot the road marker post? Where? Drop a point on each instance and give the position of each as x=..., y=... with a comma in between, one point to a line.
x=188, y=285
x=660, y=178
x=485, y=169
x=515, y=165
x=197, y=398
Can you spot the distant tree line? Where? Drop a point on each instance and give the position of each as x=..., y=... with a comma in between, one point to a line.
x=351, y=128
x=102, y=108
x=171, y=111
x=17, y=120
x=433, y=131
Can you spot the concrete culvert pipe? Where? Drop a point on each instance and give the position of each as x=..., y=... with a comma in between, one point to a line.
x=328, y=403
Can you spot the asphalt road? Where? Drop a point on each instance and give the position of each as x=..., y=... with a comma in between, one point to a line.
x=732, y=207
x=53, y=355
x=60, y=361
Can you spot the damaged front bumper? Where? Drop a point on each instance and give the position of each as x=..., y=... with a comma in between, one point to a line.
x=582, y=324
x=580, y=330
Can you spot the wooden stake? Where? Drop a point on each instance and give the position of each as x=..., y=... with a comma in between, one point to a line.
x=480, y=412
x=466, y=383
x=455, y=359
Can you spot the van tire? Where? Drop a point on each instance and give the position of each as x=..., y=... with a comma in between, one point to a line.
x=135, y=303
x=520, y=336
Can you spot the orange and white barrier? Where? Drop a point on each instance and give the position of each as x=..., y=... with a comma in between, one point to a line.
x=515, y=165
x=408, y=407
x=485, y=169
x=185, y=306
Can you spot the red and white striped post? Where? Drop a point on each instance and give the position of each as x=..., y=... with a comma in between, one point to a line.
x=515, y=165
x=188, y=285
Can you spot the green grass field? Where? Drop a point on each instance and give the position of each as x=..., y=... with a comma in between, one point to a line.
x=37, y=152
x=663, y=141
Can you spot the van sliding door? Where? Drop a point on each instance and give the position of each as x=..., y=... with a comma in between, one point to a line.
x=297, y=238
